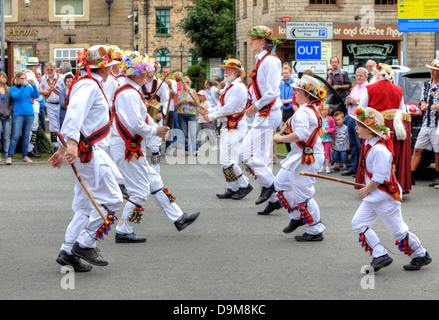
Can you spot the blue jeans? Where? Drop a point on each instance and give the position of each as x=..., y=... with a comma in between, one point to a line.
x=21, y=125
x=5, y=125
x=354, y=143
x=188, y=123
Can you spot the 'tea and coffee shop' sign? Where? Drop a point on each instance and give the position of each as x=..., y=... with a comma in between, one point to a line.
x=351, y=32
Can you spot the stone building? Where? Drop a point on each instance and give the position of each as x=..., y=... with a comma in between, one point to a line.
x=379, y=39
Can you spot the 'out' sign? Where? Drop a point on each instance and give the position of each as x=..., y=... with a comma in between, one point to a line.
x=308, y=50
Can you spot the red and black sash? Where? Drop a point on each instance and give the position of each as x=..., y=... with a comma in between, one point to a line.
x=132, y=144
x=307, y=147
x=85, y=143
x=390, y=187
x=148, y=95
x=232, y=121
x=265, y=111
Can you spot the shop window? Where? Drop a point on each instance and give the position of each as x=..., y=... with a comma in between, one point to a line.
x=66, y=55
x=164, y=58
x=385, y=2
x=163, y=21
x=326, y=2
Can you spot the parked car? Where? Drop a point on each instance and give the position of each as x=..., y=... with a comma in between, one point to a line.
x=411, y=84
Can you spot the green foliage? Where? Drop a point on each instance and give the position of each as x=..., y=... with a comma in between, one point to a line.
x=210, y=27
x=193, y=72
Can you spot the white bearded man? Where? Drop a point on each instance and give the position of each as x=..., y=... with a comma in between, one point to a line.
x=132, y=128
x=233, y=129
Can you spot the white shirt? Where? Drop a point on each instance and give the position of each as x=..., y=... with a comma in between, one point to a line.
x=53, y=98
x=269, y=76
x=110, y=87
x=87, y=111
x=234, y=101
x=379, y=164
x=132, y=113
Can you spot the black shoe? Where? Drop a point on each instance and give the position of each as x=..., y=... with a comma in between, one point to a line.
x=309, y=237
x=348, y=173
x=66, y=259
x=91, y=255
x=434, y=182
x=123, y=190
x=270, y=207
x=293, y=225
x=128, y=238
x=265, y=194
x=227, y=194
x=242, y=192
x=381, y=262
x=34, y=154
x=418, y=263
x=186, y=220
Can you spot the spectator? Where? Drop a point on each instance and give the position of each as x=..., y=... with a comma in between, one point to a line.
x=42, y=115
x=386, y=97
x=428, y=137
x=339, y=79
x=68, y=79
x=178, y=138
x=341, y=143
x=186, y=110
x=65, y=67
x=286, y=96
x=172, y=85
x=328, y=129
x=352, y=102
x=370, y=64
x=202, y=123
x=23, y=115
x=6, y=106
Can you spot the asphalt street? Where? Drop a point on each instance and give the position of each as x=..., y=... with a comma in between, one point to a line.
x=229, y=253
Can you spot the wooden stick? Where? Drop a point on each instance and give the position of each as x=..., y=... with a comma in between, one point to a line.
x=154, y=93
x=332, y=179
x=197, y=104
x=81, y=181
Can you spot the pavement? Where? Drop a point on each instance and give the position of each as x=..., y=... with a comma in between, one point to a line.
x=229, y=253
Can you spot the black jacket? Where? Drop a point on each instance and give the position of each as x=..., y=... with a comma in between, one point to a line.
x=6, y=108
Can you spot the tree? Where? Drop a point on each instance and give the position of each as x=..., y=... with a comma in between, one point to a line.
x=210, y=27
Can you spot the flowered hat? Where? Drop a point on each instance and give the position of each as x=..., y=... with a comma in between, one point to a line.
x=236, y=64
x=434, y=65
x=372, y=119
x=385, y=70
x=310, y=85
x=116, y=53
x=96, y=57
x=263, y=32
x=135, y=63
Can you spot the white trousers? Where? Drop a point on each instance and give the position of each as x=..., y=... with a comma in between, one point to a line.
x=140, y=180
x=103, y=186
x=53, y=114
x=298, y=189
x=257, y=146
x=229, y=153
x=389, y=211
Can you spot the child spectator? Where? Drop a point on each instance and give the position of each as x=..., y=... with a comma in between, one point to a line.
x=341, y=143
x=328, y=129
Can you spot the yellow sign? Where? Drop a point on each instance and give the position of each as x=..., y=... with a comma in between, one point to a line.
x=418, y=9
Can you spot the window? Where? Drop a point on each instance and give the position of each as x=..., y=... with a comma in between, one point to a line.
x=9, y=5
x=385, y=2
x=69, y=11
x=69, y=8
x=163, y=21
x=65, y=53
x=164, y=58
x=333, y=2
x=192, y=60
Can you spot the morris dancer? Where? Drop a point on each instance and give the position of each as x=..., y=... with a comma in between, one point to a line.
x=382, y=195
x=263, y=112
x=295, y=191
x=86, y=123
x=233, y=129
x=131, y=129
x=51, y=85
